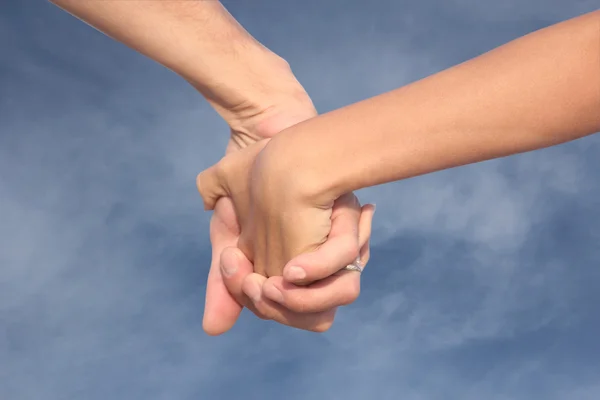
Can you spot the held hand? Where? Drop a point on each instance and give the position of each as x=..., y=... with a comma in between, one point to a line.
x=275, y=223
x=283, y=102
x=286, y=105
x=309, y=307
x=248, y=125
x=339, y=250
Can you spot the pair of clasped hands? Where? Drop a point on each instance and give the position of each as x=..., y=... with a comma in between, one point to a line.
x=284, y=228
x=275, y=249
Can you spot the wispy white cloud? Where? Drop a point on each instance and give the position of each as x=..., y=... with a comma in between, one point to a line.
x=482, y=283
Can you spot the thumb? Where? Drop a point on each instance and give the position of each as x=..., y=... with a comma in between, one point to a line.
x=221, y=310
x=211, y=185
x=232, y=172
x=235, y=267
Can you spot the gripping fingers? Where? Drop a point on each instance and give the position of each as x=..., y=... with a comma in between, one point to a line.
x=267, y=309
x=340, y=249
x=246, y=288
x=329, y=293
x=341, y=288
x=347, y=242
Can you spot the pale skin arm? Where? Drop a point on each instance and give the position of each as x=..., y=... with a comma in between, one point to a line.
x=252, y=88
x=203, y=43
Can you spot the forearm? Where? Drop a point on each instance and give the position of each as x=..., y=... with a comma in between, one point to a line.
x=538, y=91
x=199, y=40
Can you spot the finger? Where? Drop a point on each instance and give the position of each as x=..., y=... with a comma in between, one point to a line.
x=246, y=287
x=342, y=288
x=364, y=233
x=311, y=307
x=340, y=249
x=267, y=309
x=221, y=309
x=210, y=185
x=337, y=290
x=235, y=269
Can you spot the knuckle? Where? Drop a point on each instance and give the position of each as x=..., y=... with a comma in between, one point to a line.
x=351, y=293
x=207, y=191
x=299, y=307
x=322, y=327
x=263, y=317
x=262, y=312
x=324, y=322
x=351, y=249
x=199, y=182
x=300, y=302
x=364, y=259
x=222, y=168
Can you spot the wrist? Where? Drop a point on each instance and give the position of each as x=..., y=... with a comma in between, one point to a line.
x=336, y=153
x=247, y=82
x=295, y=171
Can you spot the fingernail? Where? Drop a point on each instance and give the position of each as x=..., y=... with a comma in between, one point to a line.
x=229, y=268
x=254, y=291
x=294, y=273
x=273, y=293
x=374, y=207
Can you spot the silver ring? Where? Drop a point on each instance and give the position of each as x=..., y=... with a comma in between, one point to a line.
x=355, y=266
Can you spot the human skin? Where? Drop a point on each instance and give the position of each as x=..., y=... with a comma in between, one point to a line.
x=252, y=88
x=537, y=91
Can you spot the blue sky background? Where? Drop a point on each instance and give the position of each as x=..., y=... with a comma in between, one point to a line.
x=484, y=281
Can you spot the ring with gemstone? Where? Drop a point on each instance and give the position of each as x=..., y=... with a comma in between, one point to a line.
x=355, y=266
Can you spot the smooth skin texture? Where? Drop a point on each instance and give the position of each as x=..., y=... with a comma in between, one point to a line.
x=537, y=91
x=340, y=289
x=252, y=88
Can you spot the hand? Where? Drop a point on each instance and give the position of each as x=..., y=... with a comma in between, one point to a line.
x=251, y=121
x=231, y=177
x=311, y=307
x=287, y=105
x=275, y=223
